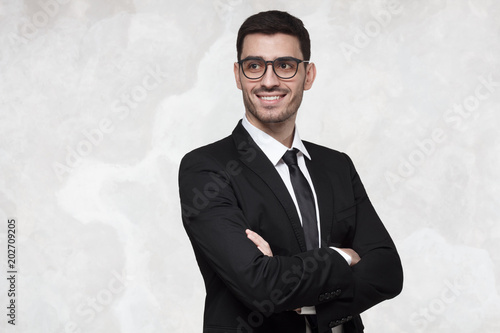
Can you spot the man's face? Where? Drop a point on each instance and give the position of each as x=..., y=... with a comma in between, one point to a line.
x=271, y=99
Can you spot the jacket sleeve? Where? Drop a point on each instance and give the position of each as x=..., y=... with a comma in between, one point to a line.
x=216, y=227
x=378, y=275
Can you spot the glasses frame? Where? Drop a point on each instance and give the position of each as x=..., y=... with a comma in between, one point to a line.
x=267, y=62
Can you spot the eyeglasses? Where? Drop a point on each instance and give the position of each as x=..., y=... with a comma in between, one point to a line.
x=284, y=67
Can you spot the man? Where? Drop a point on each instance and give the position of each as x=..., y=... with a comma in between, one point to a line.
x=284, y=234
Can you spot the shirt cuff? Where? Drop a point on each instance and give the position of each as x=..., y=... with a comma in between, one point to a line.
x=308, y=310
x=343, y=254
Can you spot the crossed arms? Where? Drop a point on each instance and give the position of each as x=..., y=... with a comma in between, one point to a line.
x=320, y=277
x=264, y=247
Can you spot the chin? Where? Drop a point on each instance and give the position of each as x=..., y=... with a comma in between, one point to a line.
x=267, y=117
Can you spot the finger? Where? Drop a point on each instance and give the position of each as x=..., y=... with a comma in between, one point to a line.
x=260, y=242
x=254, y=237
x=251, y=233
x=265, y=251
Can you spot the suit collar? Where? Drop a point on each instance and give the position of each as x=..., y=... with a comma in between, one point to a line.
x=255, y=159
x=324, y=194
x=272, y=148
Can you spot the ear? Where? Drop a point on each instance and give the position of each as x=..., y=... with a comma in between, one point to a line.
x=310, y=76
x=237, y=75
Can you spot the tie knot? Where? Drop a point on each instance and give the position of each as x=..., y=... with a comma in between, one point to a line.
x=290, y=157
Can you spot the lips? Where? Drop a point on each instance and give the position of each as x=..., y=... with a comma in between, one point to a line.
x=271, y=98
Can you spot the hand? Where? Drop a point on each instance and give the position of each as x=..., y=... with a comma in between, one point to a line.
x=261, y=244
x=354, y=255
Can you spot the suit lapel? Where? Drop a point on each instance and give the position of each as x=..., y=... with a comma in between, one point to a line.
x=255, y=159
x=324, y=194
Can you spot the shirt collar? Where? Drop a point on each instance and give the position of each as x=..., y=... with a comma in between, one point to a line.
x=272, y=148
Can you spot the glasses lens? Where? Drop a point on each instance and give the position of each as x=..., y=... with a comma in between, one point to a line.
x=253, y=68
x=285, y=67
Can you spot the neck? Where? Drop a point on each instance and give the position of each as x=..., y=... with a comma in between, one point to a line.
x=282, y=131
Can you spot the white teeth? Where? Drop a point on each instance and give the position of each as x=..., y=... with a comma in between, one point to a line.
x=270, y=98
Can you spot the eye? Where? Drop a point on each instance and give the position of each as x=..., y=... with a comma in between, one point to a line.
x=254, y=65
x=286, y=65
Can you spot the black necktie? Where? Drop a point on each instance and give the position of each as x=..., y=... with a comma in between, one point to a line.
x=305, y=199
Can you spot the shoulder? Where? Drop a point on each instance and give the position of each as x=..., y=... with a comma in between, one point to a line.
x=330, y=158
x=215, y=149
x=213, y=157
x=325, y=153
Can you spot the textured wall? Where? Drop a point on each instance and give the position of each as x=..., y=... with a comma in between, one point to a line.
x=99, y=100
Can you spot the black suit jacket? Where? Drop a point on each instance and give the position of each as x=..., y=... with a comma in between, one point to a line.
x=229, y=186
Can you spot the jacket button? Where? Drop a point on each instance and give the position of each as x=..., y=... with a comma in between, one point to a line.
x=349, y=318
x=338, y=292
x=321, y=297
x=331, y=324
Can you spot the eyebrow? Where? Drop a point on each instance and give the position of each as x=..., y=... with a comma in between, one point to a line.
x=253, y=57
x=259, y=57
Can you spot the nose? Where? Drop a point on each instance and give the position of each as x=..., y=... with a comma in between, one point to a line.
x=270, y=80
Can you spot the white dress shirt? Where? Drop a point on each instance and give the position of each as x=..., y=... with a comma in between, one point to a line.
x=274, y=150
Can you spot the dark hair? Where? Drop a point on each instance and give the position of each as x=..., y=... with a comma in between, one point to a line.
x=272, y=22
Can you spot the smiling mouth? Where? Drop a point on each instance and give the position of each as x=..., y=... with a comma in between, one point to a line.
x=271, y=98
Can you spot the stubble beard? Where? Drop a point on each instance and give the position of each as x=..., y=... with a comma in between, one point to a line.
x=266, y=115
